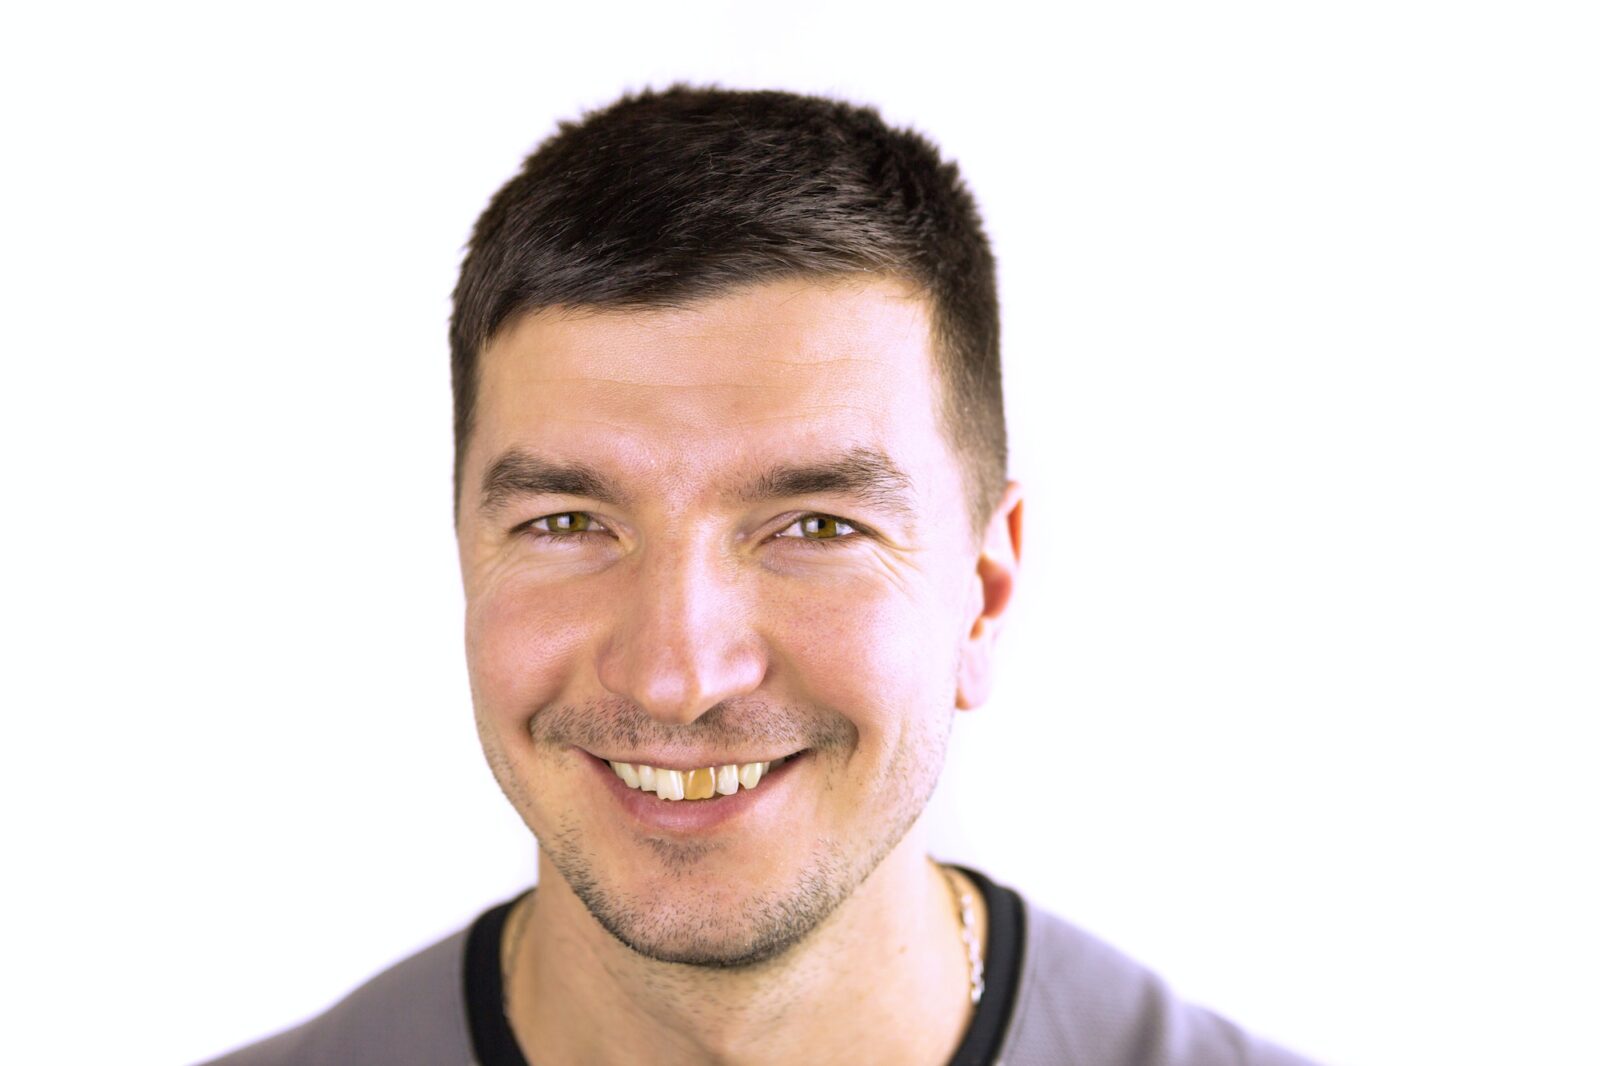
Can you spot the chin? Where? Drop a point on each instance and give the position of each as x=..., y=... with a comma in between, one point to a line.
x=710, y=929
x=721, y=946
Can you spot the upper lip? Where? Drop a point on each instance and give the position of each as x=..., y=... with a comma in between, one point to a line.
x=689, y=761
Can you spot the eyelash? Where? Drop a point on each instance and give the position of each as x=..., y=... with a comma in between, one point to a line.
x=849, y=530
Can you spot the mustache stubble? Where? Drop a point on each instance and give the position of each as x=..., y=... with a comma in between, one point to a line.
x=733, y=725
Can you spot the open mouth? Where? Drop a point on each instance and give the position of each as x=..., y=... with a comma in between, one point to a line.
x=705, y=783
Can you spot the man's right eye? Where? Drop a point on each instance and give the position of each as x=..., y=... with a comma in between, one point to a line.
x=564, y=523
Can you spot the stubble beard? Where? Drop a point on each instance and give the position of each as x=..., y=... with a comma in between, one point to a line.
x=757, y=930
x=766, y=926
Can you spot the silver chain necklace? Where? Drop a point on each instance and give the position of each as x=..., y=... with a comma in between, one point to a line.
x=969, y=934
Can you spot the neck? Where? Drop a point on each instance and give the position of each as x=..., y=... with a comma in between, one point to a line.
x=884, y=979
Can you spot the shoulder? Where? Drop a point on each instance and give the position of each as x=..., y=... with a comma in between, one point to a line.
x=1082, y=1002
x=413, y=1012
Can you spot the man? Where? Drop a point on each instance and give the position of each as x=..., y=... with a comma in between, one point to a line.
x=737, y=541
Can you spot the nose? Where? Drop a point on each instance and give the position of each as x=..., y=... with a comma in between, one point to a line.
x=684, y=639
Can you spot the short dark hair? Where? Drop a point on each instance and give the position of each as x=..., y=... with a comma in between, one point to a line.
x=664, y=197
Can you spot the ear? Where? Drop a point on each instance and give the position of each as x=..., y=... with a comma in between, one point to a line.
x=993, y=581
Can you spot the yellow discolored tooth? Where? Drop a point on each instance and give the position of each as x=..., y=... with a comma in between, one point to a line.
x=728, y=779
x=750, y=774
x=699, y=784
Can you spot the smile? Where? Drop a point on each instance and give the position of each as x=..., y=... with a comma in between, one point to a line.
x=755, y=801
x=699, y=784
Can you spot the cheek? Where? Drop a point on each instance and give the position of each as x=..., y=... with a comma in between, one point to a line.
x=879, y=659
x=522, y=647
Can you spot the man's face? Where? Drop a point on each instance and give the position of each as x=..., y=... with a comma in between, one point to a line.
x=720, y=534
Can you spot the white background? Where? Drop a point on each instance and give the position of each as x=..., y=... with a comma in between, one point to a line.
x=1301, y=340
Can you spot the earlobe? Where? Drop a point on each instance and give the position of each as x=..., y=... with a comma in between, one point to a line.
x=993, y=583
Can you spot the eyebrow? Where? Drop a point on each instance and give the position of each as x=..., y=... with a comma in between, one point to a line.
x=518, y=474
x=864, y=474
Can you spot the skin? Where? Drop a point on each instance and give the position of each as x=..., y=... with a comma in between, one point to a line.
x=693, y=612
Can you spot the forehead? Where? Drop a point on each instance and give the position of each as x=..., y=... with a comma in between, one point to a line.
x=738, y=379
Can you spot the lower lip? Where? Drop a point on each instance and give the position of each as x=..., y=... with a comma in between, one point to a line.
x=695, y=816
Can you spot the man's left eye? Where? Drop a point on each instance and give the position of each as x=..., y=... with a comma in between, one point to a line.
x=565, y=522
x=819, y=527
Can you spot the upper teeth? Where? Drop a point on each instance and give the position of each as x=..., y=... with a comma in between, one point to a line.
x=693, y=784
